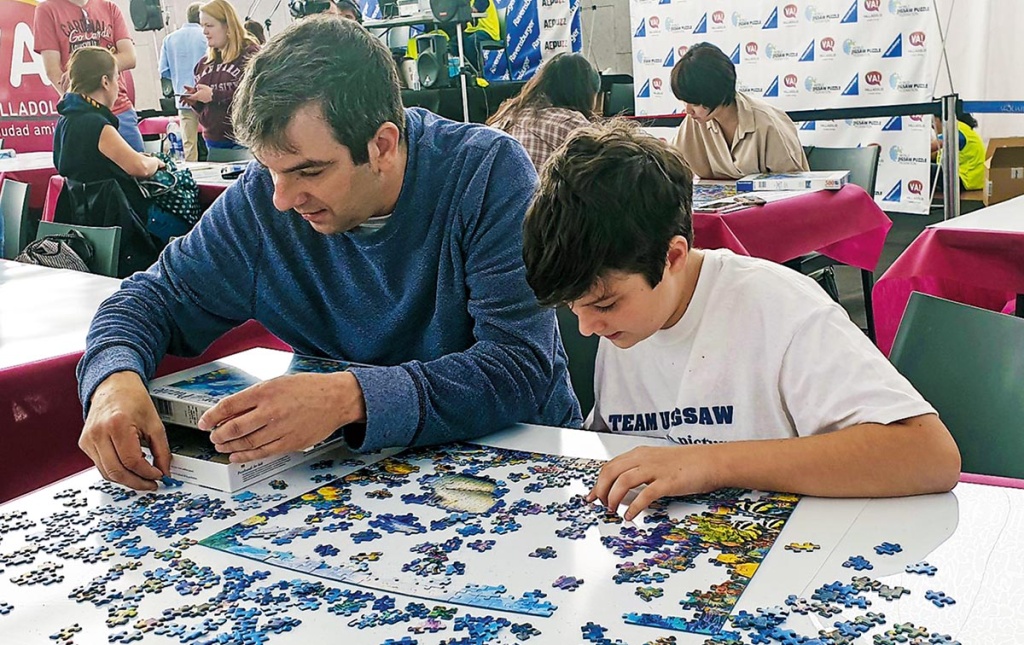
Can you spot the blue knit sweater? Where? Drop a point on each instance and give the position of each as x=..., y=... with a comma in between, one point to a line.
x=437, y=297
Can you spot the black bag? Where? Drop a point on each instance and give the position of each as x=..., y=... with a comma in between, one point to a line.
x=106, y=203
x=66, y=251
x=173, y=190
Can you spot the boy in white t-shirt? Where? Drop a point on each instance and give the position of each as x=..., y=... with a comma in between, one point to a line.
x=758, y=377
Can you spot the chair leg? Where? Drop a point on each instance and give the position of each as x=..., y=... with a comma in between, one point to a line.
x=1019, y=308
x=867, y=279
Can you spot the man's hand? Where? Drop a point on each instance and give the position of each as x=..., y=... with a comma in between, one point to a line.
x=120, y=415
x=667, y=471
x=284, y=414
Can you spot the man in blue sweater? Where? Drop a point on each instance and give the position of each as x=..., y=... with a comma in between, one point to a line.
x=366, y=233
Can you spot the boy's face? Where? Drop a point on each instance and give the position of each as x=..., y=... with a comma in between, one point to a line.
x=625, y=309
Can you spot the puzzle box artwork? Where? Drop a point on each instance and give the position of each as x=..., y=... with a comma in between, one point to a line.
x=509, y=530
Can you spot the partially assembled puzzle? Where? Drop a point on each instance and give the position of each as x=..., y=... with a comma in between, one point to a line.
x=511, y=531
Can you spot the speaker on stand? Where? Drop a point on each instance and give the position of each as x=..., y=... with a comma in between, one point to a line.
x=147, y=15
x=432, y=61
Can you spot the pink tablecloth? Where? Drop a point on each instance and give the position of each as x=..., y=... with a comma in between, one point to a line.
x=154, y=125
x=34, y=169
x=983, y=268
x=846, y=225
x=41, y=417
x=207, y=194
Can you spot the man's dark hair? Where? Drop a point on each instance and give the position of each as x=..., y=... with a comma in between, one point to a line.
x=705, y=76
x=611, y=199
x=333, y=63
x=192, y=13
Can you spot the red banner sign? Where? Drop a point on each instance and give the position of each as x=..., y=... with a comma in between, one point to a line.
x=28, y=104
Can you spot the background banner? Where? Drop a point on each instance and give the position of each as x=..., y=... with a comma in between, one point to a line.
x=28, y=103
x=810, y=55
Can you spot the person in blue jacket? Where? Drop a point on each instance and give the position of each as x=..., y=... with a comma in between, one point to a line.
x=364, y=232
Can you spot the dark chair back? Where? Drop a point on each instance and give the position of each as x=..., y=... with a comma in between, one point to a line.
x=861, y=162
x=969, y=364
x=106, y=244
x=14, y=207
x=620, y=100
x=426, y=99
x=582, y=352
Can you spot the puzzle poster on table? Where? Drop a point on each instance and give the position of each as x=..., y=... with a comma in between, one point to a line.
x=810, y=55
x=510, y=531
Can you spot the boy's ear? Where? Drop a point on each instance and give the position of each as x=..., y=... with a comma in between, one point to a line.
x=678, y=250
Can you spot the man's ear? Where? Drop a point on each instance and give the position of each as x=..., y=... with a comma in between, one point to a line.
x=383, y=148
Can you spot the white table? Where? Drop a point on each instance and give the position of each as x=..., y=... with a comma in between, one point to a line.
x=973, y=535
x=44, y=312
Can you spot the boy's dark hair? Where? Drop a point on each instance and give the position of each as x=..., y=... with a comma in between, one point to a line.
x=705, y=76
x=333, y=63
x=611, y=199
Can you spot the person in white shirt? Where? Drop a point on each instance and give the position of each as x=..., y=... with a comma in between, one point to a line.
x=752, y=375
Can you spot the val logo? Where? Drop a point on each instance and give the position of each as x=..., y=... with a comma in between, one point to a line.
x=702, y=25
x=873, y=5
x=916, y=38
x=790, y=80
x=853, y=87
x=670, y=59
x=895, y=193
x=895, y=49
x=873, y=78
x=773, y=89
x=773, y=20
x=851, y=14
x=915, y=186
x=894, y=124
x=735, y=58
x=790, y=11
x=808, y=55
x=645, y=91
x=751, y=48
x=807, y=125
x=641, y=31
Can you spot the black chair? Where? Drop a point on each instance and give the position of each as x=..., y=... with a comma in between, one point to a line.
x=620, y=100
x=496, y=45
x=16, y=224
x=582, y=352
x=863, y=166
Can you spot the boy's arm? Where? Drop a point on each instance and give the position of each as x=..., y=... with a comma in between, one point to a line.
x=909, y=457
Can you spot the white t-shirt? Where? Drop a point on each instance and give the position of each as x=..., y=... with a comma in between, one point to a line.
x=761, y=353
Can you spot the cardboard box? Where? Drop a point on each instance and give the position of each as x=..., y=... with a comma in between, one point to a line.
x=806, y=180
x=1004, y=169
x=194, y=460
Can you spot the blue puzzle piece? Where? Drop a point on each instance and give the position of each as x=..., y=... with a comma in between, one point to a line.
x=888, y=548
x=939, y=598
x=858, y=563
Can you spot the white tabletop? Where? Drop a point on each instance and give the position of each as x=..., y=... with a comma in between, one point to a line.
x=27, y=161
x=1005, y=216
x=972, y=535
x=44, y=312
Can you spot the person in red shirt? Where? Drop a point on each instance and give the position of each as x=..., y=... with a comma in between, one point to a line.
x=63, y=26
x=217, y=78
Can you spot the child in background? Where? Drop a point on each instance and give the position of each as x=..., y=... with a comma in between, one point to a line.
x=971, y=166
x=754, y=377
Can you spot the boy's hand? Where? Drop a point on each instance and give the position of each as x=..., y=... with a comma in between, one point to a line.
x=667, y=471
x=284, y=414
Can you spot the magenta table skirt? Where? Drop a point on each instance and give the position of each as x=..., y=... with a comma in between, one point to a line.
x=845, y=225
x=41, y=417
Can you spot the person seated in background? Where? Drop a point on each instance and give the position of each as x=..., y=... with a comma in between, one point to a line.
x=727, y=134
x=348, y=9
x=757, y=377
x=217, y=76
x=558, y=99
x=87, y=146
x=971, y=158
x=256, y=30
x=367, y=233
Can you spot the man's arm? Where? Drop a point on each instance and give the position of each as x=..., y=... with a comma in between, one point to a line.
x=51, y=63
x=124, y=54
x=909, y=457
x=508, y=374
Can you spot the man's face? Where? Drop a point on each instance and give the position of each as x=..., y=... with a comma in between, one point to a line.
x=318, y=180
x=623, y=308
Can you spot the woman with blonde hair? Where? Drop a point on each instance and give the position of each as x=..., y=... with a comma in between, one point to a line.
x=217, y=77
x=86, y=144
